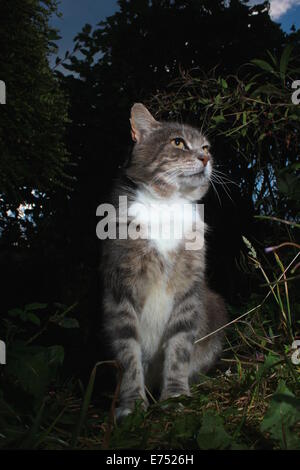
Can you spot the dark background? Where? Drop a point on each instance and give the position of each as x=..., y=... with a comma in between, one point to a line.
x=70, y=149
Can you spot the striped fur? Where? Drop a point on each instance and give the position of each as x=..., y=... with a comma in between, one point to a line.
x=156, y=301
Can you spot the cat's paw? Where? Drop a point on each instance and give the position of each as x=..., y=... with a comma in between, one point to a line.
x=122, y=412
x=128, y=407
x=166, y=394
x=170, y=400
x=177, y=407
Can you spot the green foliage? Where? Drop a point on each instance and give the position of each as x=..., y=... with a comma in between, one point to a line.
x=109, y=78
x=252, y=400
x=288, y=184
x=27, y=314
x=33, y=122
x=282, y=416
x=38, y=315
x=30, y=374
x=252, y=119
x=254, y=404
x=32, y=368
x=84, y=407
x=212, y=434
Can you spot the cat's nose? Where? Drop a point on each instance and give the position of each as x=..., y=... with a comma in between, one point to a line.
x=204, y=159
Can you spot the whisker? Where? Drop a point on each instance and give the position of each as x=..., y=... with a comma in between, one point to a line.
x=168, y=176
x=215, y=190
x=224, y=186
x=224, y=176
x=166, y=172
x=219, y=180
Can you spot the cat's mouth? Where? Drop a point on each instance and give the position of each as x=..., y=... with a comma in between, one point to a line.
x=195, y=172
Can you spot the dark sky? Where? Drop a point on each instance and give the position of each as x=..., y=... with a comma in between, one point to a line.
x=291, y=17
x=76, y=13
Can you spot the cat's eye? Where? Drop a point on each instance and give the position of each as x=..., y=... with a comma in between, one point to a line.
x=179, y=143
x=205, y=148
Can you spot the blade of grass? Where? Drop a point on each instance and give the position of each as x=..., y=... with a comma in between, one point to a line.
x=287, y=298
x=28, y=443
x=249, y=311
x=105, y=444
x=46, y=433
x=275, y=219
x=86, y=403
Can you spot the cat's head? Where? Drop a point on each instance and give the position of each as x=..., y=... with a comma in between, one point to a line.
x=168, y=157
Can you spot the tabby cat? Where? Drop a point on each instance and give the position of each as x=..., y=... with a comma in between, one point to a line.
x=156, y=301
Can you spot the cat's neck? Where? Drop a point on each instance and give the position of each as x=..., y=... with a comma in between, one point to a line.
x=189, y=196
x=162, y=192
x=168, y=220
x=156, y=187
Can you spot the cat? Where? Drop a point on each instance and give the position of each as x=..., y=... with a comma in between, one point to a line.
x=156, y=301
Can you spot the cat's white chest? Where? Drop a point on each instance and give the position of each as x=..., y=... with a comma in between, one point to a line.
x=154, y=318
x=163, y=222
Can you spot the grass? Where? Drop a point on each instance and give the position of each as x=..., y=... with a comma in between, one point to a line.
x=251, y=400
x=226, y=410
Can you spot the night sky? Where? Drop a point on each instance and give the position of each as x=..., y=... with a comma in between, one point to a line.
x=76, y=13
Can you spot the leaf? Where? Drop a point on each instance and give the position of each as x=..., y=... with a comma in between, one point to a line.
x=262, y=64
x=32, y=433
x=55, y=356
x=35, y=306
x=203, y=100
x=15, y=312
x=273, y=58
x=295, y=402
x=69, y=323
x=85, y=405
x=33, y=319
x=184, y=429
x=87, y=28
x=282, y=415
x=7, y=410
x=23, y=316
x=249, y=86
x=270, y=360
x=268, y=90
x=212, y=434
x=288, y=184
x=218, y=99
x=285, y=60
x=219, y=119
x=262, y=137
x=224, y=84
x=53, y=35
x=33, y=367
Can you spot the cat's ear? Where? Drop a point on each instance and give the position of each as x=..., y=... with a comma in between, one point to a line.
x=142, y=122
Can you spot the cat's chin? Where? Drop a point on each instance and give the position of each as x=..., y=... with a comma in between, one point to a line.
x=195, y=179
x=191, y=173
x=199, y=173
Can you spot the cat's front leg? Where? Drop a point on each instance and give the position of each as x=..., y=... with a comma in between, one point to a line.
x=178, y=348
x=132, y=385
x=124, y=334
